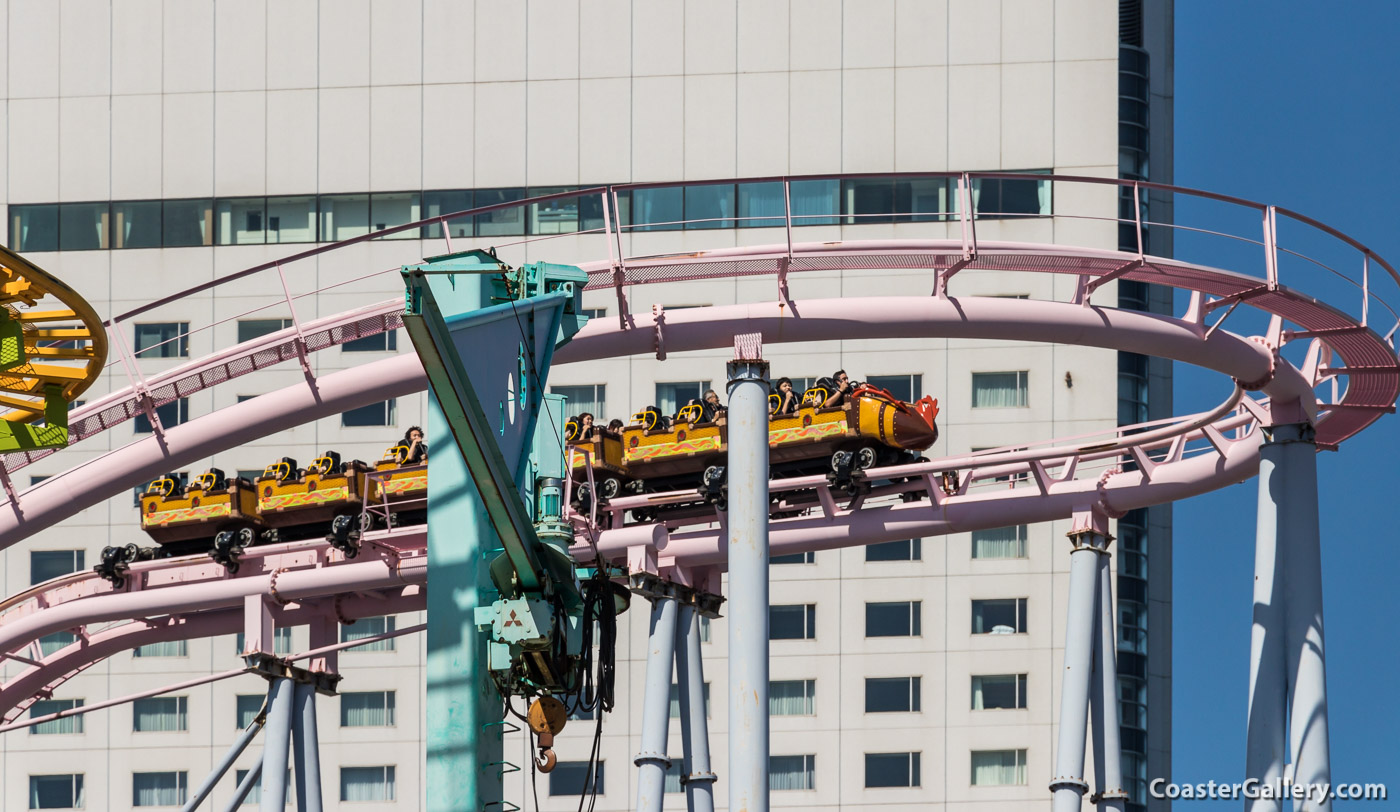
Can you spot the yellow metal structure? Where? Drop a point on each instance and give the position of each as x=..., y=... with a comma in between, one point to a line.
x=52, y=347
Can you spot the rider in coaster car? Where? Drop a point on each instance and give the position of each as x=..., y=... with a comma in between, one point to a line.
x=615, y=425
x=585, y=426
x=787, y=399
x=843, y=389
x=417, y=449
x=713, y=408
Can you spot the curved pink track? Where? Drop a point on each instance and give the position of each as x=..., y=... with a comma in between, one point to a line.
x=1066, y=477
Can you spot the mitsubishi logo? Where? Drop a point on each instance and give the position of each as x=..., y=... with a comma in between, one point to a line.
x=514, y=621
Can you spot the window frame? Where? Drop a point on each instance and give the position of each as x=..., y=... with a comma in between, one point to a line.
x=1020, y=608
x=1023, y=388
x=915, y=611
x=913, y=693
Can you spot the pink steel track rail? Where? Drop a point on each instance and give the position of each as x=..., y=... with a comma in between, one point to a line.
x=182, y=598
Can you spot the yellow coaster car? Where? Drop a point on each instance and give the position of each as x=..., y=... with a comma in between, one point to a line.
x=289, y=496
x=396, y=485
x=603, y=450
x=870, y=428
x=211, y=503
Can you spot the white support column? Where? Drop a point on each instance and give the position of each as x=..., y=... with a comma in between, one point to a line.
x=276, y=743
x=1108, y=749
x=697, y=778
x=306, y=752
x=1090, y=540
x=656, y=705
x=1288, y=680
x=748, y=576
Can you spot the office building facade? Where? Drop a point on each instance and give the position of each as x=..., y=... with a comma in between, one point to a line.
x=148, y=146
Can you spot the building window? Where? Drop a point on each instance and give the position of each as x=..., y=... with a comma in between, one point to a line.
x=82, y=226
x=590, y=398
x=897, y=619
x=676, y=700
x=168, y=339
x=671, y=396
x=136, y=224
x=792, y=622
x=291, y=219
x=68, y=724
x=390, y=209
x=247, y=708
x=761, y=205
x=903, y=550
x=34, y=228
x=254, y=795
x=792, y=697
x=344, y=217
x=999, y=390
x=1000, y=616
x=893, y=695
x=56, y=791
x=170, y=648
x=187, y=223
x=908, y=388
x=369, y=627
x=1135, y=778
x=436, y=204
x=281, y=641
x=1132, y=388
x=160, y=714
x=704, y=629
x=709, y=205
x=998, y=768
x=1132, y=626
x=35, y=480
x=158, y=789
x=559, y=216
x=792, y=772
x=657, y=209
x=45, y=565
x=387, y=341
x=1132, y=702
x=375, y=414
x=249, y=329
x=576, y=779
x=999, y=692
x=367, y=783
x=794, y=558
x=891, y=770
x=171, y=414
x=239, y=221
x=1010, y=197
x=506, y=222
x=50, y=643
x=367, y=709
x=1000, y=542
x=591, y=313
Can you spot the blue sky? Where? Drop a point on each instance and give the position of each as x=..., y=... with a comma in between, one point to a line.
x=1292, y=104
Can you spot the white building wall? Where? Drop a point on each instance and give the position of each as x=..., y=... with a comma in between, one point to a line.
x=142, y=99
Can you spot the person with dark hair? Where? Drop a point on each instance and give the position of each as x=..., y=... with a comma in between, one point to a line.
x=787, y=398
x=417, y=449
x=713, y=408
x=843, y=389
x=585, y=426
x=615, y=424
